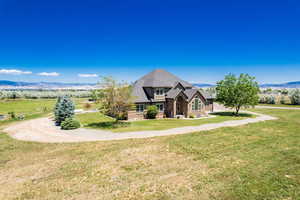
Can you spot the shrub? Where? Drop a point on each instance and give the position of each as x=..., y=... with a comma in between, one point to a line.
x=283, y=99
x=70, y=124
x=271, y=99
x=64, y=109
x=263, y=99
x=192, y=116
x=151, y=112
x=20, y=117
x=295, y=97
x=121, y=116
x=12, y=115
x=87, y=106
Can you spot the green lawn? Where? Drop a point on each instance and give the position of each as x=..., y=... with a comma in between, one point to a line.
x=32, y=106
x=255, y=161
x=281, y=105
x=99, y=121
x=35, y=107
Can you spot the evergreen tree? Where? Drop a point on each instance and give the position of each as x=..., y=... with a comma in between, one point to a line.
x=64, y=109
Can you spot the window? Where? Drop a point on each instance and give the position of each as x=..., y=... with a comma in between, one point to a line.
x=140, y=107
x=159, y=91
x=197, y=104
x=160, y=107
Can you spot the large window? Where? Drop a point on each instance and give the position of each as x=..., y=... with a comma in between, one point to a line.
x=160, y=107
x=197, y=104
x=140, y=107
x=160, y=91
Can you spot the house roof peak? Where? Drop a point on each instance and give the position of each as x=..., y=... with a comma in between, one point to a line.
x=162, y=78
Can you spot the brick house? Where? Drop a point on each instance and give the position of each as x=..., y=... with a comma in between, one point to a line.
x=172, y=96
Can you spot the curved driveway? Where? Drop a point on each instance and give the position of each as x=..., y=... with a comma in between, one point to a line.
x=44, y=130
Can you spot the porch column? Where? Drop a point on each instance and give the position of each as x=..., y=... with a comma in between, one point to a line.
x=174, y=108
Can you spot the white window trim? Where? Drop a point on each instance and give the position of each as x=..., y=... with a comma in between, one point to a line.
x=160, y=91
x=158, y=107
x=138, y=108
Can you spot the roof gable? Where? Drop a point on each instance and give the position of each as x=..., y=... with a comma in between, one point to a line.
x=158, y=78
x=162, y=78
x=190, y=93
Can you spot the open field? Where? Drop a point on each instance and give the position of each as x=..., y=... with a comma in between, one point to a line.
x=99, y=121
x=255, y=161
x=281, y=105
x=33, y=108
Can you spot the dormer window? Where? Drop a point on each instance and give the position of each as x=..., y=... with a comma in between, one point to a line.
x=160, y=91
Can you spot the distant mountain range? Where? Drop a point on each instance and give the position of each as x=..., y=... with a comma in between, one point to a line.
x=203, y=85
x=295, y=84
x=4, y=84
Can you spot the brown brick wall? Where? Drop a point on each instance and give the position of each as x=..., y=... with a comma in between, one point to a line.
x=133, y=115
x=160, y=115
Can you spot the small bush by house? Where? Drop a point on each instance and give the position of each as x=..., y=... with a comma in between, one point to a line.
x=192, y=116
x=151, y=112
x=70, y=124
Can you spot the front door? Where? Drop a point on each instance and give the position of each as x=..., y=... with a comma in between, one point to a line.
x=179, y=106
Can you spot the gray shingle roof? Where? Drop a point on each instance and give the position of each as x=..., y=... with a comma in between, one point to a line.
x=139, y=93
x=173, y=93
x=162, y=78
x=190, y=93
x=207, y=95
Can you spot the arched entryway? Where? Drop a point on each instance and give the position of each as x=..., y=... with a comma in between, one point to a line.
x=180, y=106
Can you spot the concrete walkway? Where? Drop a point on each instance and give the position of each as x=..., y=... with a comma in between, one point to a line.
x=43, y=130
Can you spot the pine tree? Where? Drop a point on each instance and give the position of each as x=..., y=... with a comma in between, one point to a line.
x=56, y=108
x=64, y=109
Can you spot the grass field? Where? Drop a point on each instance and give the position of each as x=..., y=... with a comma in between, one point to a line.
x=255, y=161
x=33, y=106
x=99, y=121
x=281, y=105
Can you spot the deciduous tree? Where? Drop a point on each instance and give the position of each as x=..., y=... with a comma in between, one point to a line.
x=237, y=92
x=115, y=98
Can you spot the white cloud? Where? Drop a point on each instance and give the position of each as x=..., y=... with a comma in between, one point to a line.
x=87, y=75
x=48, y=74
x=14, y=72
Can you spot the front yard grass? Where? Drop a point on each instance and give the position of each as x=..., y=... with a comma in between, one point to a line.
x=255, y=161
x=100, y=121
x=281, y=105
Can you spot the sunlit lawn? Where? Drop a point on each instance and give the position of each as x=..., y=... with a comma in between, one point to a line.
x=255, y=161
x=32, y=108
x=281, y=105
x=99, y=121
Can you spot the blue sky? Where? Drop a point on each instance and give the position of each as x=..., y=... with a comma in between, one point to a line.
x=200, y=41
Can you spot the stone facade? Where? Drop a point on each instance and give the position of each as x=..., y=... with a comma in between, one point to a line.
x=173, y=97
x=177, y=107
